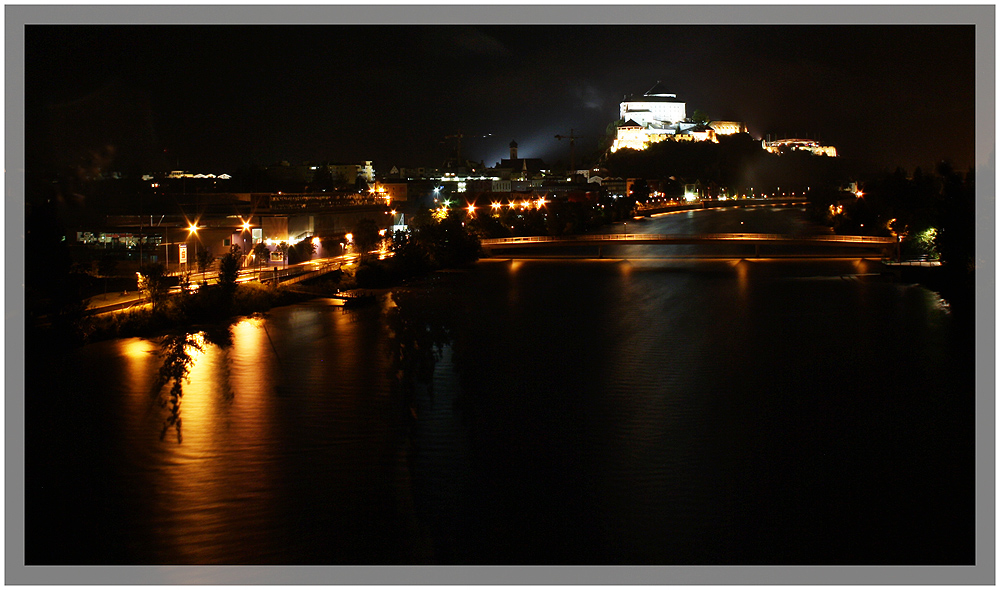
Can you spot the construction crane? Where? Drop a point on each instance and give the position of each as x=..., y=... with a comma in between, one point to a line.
x=458, y=137
x=572, y=147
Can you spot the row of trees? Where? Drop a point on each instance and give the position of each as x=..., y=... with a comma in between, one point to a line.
x=433, y=242
x=736, y=161
x=155, y=284
x=931, y=214
x=449, y=237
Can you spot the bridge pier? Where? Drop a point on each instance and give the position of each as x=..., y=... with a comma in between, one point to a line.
x=756, y=250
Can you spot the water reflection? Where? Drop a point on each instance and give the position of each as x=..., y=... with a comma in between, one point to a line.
x=430, y=374
x=180, y=352
x=176, y=351
x=539, y=411
x=416, y=340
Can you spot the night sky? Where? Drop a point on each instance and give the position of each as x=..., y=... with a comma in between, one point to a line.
x=212, y=98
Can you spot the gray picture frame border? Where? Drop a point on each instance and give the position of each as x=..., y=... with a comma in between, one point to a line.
x=981, y=16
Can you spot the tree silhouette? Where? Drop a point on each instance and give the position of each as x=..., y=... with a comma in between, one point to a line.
x=366, y=236
x=203, y=259
x=153, y=283
x=302, y=251
x=229, y=269
x=261, y=253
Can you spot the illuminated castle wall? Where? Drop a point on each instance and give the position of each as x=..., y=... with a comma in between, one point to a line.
x=654, y=108
x=806, y=145
x=657, y=115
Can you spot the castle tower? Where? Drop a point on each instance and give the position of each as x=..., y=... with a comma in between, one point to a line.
x=513, y=150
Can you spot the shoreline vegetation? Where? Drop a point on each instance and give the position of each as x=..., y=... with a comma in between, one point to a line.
x=930, y=214
x=446, y=245
x=214, y=307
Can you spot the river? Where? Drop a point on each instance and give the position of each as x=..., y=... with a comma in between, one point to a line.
x=641, y=408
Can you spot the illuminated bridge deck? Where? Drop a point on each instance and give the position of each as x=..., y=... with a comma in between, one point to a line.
x=757, y=240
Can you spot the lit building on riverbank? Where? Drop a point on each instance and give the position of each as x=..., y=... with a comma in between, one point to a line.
x=806, y=145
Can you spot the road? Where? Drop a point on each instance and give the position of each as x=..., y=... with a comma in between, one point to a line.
x=130, y=299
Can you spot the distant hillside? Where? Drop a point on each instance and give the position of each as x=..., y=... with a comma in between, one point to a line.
x=737, y=162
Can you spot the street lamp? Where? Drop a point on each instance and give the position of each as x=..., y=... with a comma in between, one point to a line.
x=193, y=231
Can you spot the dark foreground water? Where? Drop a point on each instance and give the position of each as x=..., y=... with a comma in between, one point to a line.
x=641, y=411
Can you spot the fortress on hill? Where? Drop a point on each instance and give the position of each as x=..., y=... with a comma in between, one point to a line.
x=658, y=115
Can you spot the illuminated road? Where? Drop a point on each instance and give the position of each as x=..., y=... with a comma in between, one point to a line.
x=291, y=273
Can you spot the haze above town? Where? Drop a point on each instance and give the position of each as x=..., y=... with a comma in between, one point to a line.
x=214, y=98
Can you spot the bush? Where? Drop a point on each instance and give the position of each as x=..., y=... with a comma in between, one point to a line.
x=374, y=275
x=253, y=297
x=229, y=269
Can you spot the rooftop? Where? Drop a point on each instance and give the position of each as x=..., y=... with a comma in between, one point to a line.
x=658, y=93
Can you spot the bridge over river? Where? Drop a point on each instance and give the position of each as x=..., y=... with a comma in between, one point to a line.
x=875, y=243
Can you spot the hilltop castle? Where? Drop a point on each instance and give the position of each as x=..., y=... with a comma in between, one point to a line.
x=658, y=115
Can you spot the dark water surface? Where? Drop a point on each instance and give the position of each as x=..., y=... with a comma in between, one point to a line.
x=644, y=411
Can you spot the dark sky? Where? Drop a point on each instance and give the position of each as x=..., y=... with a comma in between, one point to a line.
x=211, y=98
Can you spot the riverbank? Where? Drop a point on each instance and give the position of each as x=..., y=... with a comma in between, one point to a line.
x=638, y=392
x=958, y=288
x=212, y=305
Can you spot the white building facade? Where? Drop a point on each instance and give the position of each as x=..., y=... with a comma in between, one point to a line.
x=655, y=116
x=655, y=108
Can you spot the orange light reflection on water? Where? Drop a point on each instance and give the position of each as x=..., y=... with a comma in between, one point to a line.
x=225, y=413
x=743, y=279
x=193, y=483
x=141, y=361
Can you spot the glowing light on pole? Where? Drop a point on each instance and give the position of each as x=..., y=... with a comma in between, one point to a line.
x=193, y=231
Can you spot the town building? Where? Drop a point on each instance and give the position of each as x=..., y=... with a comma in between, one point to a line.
x=806, y=145
x=306, y=173
x=728, y=127
x=634, y=135
x=515, y=168
x=172, y=226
